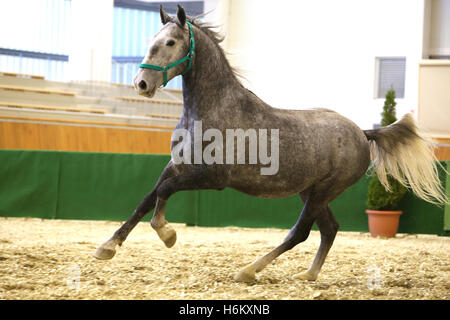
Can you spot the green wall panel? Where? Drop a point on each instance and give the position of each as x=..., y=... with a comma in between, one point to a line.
x=447, y=207
x=349, y=207
x=78, y=185
x=102, y=186
x=230, y=207
x=28, y=184
x=420, y=216
x=105, y=186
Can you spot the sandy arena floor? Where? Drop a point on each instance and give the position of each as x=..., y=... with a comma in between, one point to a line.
x=52, y=259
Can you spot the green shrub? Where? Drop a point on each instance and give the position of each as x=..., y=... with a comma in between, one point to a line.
x=388, y=114
x=377, y=196
x=379, y=199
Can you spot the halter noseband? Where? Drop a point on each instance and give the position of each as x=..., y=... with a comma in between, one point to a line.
x=188, y=57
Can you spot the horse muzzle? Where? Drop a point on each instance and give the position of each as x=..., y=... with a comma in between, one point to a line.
x=144, y=84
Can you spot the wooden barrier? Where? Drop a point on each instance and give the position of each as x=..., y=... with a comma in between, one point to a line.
x=92, y=136
x=87, y=136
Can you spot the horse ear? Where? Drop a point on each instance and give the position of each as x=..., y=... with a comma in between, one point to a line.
x=164, y=16
x=181, y=15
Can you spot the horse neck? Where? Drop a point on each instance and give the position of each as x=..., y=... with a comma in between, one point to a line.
x=210, y=75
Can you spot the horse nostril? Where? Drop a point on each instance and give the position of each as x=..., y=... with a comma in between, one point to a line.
x=142, y=85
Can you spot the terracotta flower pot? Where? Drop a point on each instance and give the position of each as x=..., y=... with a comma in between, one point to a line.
x=383, y=223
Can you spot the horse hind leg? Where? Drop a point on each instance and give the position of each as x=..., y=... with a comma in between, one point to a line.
x=298, y=233
x=328, y=228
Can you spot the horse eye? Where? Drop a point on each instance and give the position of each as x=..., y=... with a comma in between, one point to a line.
x=170, y=43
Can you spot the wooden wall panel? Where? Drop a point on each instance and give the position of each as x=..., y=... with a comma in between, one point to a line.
x=443, y=149
x=73, y=137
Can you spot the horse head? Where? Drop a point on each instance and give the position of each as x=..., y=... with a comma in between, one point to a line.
x=170, y=54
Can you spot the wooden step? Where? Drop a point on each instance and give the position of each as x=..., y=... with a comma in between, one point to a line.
x=147, y=100
x=94, y=123
x=22, y=75
x=42, y=107
x=125, y=85
x=172, y=90
x=164, y=116
x=37, y=90
x=132, y=87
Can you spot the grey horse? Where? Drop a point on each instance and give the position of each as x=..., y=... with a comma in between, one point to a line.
x=321, y=153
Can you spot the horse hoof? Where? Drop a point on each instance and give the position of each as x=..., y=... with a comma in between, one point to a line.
x=245, y=275
x=106, y=251
x=104, y=254
x=170, y=241
x=168, y=235
x=305, y=276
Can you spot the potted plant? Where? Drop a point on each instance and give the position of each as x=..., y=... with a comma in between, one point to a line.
x=382, y=205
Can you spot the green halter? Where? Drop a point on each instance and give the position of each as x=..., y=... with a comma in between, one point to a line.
x=188, y=57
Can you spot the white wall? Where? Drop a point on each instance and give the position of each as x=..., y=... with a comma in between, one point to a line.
x=434, y=98
x=90, y=47
x=302, y=54
x=35, y=25
x=439, y=42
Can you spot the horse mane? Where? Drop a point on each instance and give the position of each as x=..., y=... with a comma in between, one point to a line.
x=206, y=27
x=217, y=38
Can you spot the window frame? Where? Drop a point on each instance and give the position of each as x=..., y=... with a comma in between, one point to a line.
x=376, y=92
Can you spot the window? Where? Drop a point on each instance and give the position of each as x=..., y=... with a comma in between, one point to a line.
x=390, y=73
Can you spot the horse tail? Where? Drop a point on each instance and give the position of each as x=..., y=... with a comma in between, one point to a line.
x=401, y=151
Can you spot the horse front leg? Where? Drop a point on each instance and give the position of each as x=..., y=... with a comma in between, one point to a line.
x=197, y=179
x=165, y=232
x=108, y=249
